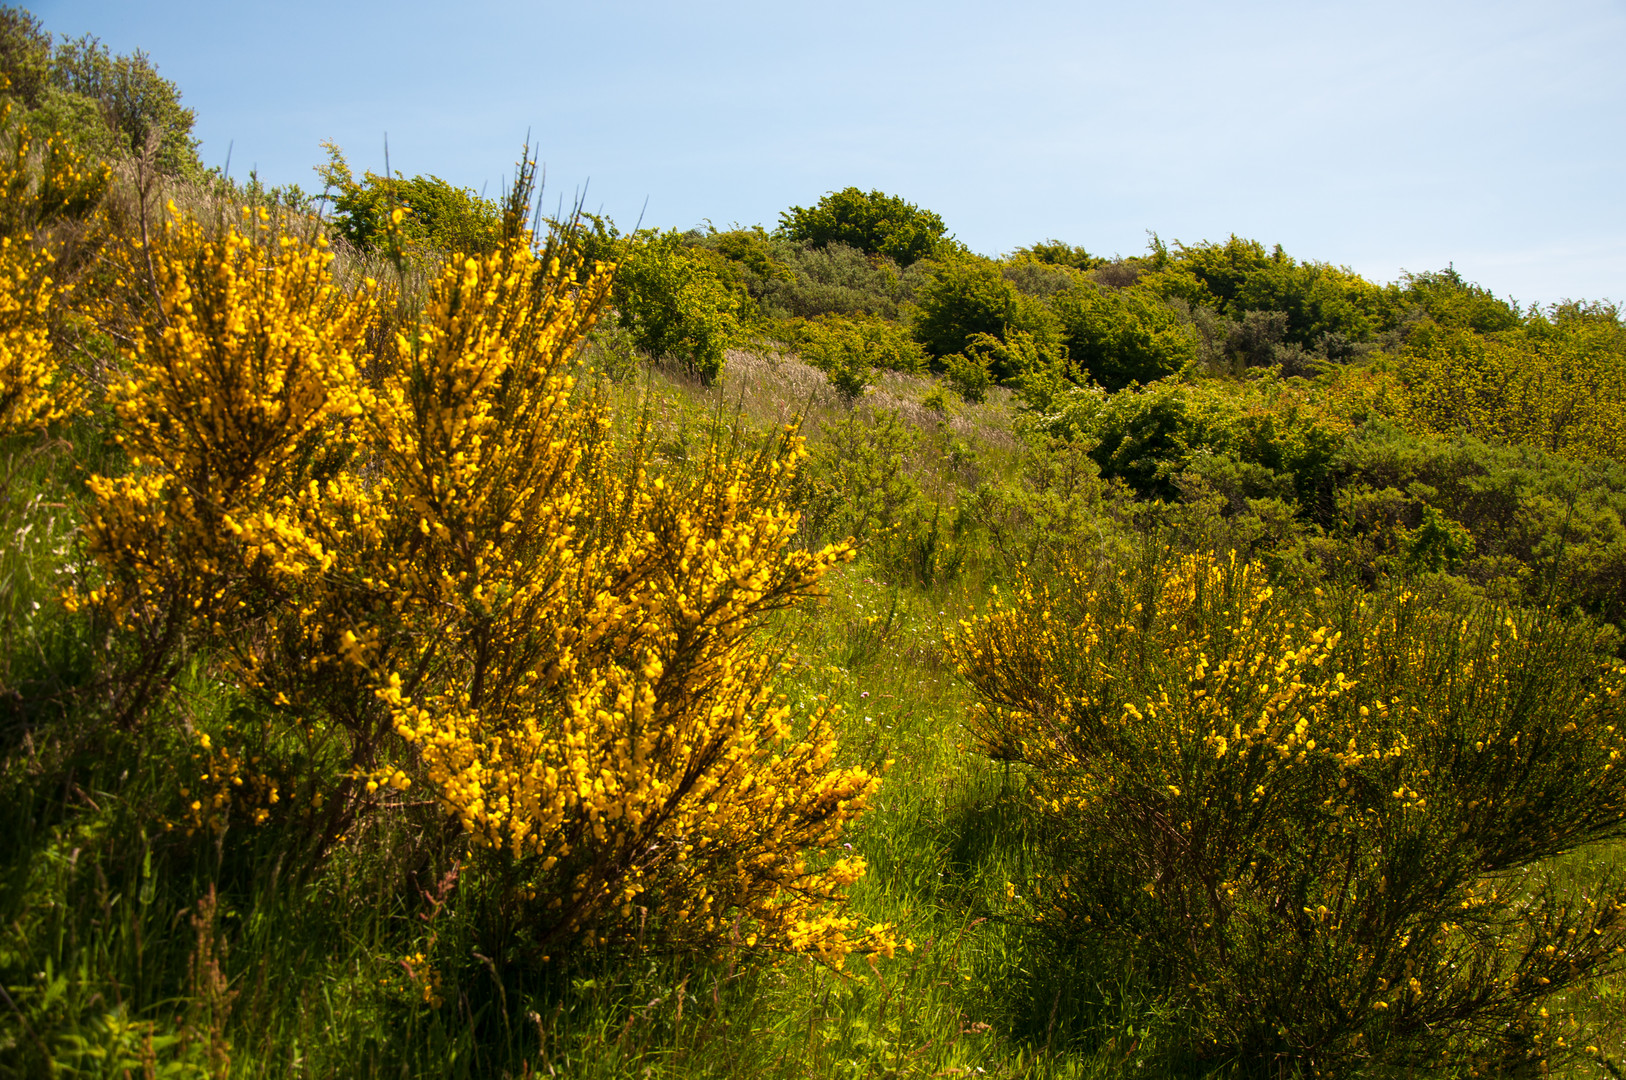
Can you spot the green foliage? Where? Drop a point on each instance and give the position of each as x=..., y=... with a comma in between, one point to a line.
x=963, y=297
x=45, y=187
x=1258, y=443
x=1444, y=297
x=1018, y=356
x=1318, y=299
x=1559, y=385
x=797, y=279
x=436, y=217
x=967, y=296
x=105, y=105
x=875, y=223
x=855, y=483
x=839, y=279
x=138, y=107
x=1214, y=275
x=968, y=372
x=25, y=55
x=848, y=350
x=1057, y=253
x=674, y=304
x=1118, y=337
x=753, y=249
x=1314, y=823
x=1055, y=506
x=1239, y=277
x=1525, y=525
x=1034, y=277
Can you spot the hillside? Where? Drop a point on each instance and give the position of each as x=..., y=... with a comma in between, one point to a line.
x=439, y=641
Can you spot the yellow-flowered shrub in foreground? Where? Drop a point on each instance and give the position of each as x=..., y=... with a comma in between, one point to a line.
x=435, y=563
x=1317, y=825
x=241, y=368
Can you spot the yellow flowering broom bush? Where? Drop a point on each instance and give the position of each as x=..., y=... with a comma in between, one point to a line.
x=1317, y=824
x=437, y=562
x=240, y=363
x=40, y=185
x=31, y=391
x=1558, y=385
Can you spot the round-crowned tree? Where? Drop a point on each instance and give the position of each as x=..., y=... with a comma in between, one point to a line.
x=875, y=223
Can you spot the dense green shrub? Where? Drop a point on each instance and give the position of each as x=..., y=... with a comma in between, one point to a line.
x=1122, y=336
x=436, y=217
x=1559, y=386
x=1443, y=296
x=1239, y=276
x=1313, y=823
x=875, y=223
x=1318, y=299
x=674, y=303
x=1017, y=356
x=834, y=279
x=1035, y=277
x=967, y=296
x=1544, y=528
x=1260, y=440
x=963, y=297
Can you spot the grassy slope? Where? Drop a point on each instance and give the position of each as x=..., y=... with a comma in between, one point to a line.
x=119, y=963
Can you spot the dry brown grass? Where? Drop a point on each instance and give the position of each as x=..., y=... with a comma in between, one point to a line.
x=769, y=385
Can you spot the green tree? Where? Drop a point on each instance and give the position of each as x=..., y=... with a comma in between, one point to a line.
x=875, y=223
x=674, y=303
x=25, y=55
x=137, y=104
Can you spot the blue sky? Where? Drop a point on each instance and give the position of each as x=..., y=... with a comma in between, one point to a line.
x=1382, y=136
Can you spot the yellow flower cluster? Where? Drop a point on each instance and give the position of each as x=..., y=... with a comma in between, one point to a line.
x=440, y=562
x=37, y=185
x=31, y=393
x=247, y=362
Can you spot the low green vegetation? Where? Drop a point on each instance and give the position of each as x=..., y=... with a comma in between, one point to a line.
x=808, y=651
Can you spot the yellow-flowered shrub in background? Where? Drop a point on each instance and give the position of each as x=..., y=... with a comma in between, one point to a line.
x=31, y=392
x=1559, y=385
x=1315, y=823
x=40, y=185
x=437, y=562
